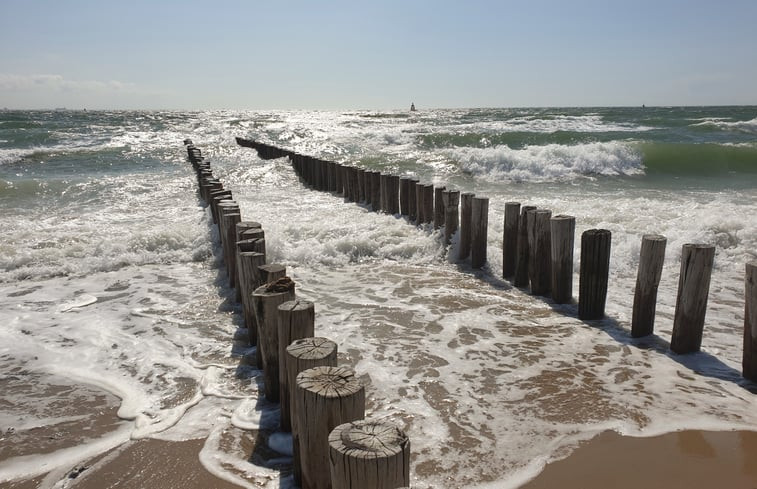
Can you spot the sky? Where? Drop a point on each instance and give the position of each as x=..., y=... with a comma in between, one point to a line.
x=335, y=55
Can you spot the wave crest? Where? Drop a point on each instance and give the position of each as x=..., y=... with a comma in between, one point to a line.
x=550, y=162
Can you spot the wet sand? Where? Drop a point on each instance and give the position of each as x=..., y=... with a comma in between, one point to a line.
x=681, y=460
x=139, y=464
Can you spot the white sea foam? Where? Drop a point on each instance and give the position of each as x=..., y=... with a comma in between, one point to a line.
x=549, y=162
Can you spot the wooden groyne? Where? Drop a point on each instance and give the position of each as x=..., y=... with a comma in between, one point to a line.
x=537, y=248
x=322, y=403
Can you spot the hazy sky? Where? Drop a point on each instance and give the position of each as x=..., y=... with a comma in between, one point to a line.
x=280, y=54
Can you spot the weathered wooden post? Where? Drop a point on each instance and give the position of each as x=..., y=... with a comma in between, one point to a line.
x=479, y=231
x=419, y=195
x=271, y=272
x=369, y=454
x=428, y=204
x=412, y=200
x=749, y=357
x=325, y=397
x=353, y=184
x=466, y=209
x=451, y=201
x=296, y=321
x=522, y=266
x=230, y=218
x=360, y=193
x=691, y=303
x=594, y=273
x=249, y=261
x=338, y=178
x=301, y=355
x=439, y=214
x=267, y=299
x=404, y=196
x=384, y=194
x=393, y=196
x=541, y=280
x=563, y=230
x=242, y=226
x=510, y=239
x=376, y=191
x=648, y=276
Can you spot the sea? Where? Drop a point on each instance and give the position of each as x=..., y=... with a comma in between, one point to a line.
x=117, y=322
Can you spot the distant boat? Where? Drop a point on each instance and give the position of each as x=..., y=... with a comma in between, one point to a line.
x=412, y=107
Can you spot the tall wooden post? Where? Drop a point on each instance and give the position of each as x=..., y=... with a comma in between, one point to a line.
x=296, y=320
x=451, y=201
x=594, y=273
x=376, y=191
x=412, y=200
x=541, y=281
x=404, y=196
x=325, y=397
x=393, y=195
x=249, y=261
x=428, y=204
x=479, y=231
x=267, y=298
x=648, y=276
x=691, y=303
x=301, y=355
x=419, y=195
x=749, y=358
x=369, y=454
x=510, y=239
x=563, y=230
x=521, y=267
x=439, y=207
x=466, y=209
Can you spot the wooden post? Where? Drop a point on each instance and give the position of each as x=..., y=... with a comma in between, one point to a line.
x=479, y=231
x=376, y=191
x=428, y=204
x=412, y=200
x=419, y=194
x=301, y=355
x=439, y=207
x=521, y=267
x=691, y=303
x=563, y=230
x=338, y=178
x=393, y=195
x=648, y=276
x=541, y=281
x=594, y=272
x=230, y=219
x=296, y=320
x=242, y=226
x=267, y=299
x=271, y=273
x=510, y=239
x=369, y=454
x=249, y=261
x=749, y=357
x=383, y=194
x=404, y=196
x=466, y=209
x=360, y=185
x=451, y=201
x=325, y=397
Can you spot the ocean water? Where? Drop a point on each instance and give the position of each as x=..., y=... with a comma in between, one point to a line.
x=116, y=322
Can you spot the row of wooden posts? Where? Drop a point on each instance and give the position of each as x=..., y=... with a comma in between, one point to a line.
x=537, y=248
x=322, y=404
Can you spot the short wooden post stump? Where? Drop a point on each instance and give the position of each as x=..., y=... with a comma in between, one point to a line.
x=369, y=454
x=325, y=397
